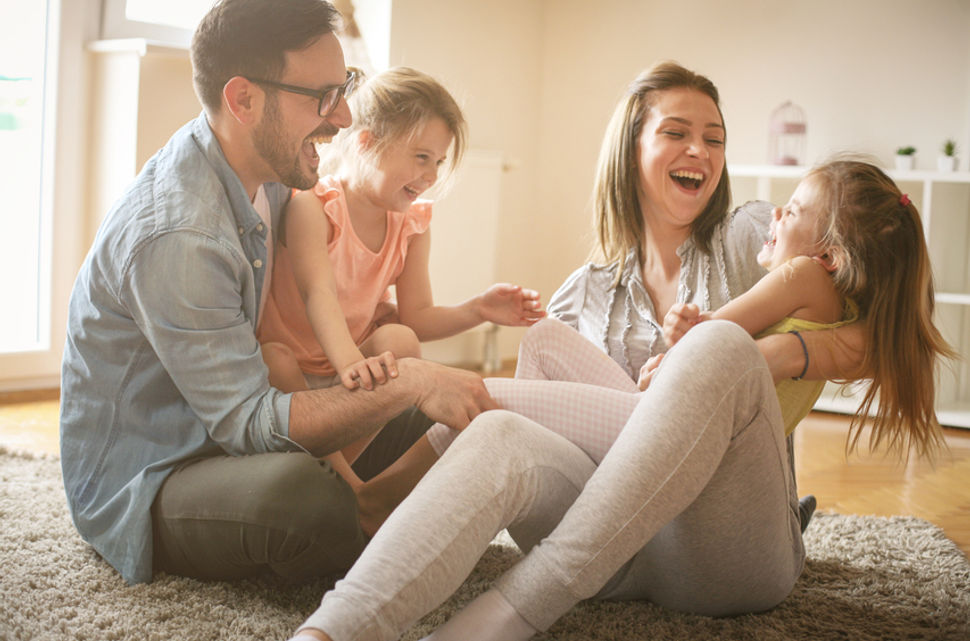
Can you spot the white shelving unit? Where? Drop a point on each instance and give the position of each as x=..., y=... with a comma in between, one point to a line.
x=943, y=200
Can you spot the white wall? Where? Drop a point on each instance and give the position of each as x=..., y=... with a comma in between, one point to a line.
x=488, y=54
x=540, y=78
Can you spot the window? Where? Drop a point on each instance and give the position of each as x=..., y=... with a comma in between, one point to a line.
x=41, y=150
x=171, y=22
x=24, y=262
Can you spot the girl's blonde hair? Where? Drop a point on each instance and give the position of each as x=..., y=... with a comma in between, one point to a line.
x=874, y=234
x=616, y=201
x=394, y=106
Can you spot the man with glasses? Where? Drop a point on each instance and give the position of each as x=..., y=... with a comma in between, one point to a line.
x=177, y=454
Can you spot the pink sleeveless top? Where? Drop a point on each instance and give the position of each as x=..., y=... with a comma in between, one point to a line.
x=362, y=278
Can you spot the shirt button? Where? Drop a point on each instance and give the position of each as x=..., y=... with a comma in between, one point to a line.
x=259, y=227
x=257, y=263
x=241, y=231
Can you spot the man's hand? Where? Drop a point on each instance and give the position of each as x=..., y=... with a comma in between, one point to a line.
x=445, y=394
x=510, y=305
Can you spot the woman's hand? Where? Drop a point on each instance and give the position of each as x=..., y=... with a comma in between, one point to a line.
x=833, y=354
x=680, y=318
x=646, y=372
x=369, y=372
x=511, y=305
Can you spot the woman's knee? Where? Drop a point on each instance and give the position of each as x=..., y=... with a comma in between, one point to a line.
x=540, y=339
x=498, y=429
x=724, y=340
x=541, y=333
x=506, y=440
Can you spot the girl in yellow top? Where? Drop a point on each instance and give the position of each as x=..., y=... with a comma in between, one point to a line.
x=848, y=245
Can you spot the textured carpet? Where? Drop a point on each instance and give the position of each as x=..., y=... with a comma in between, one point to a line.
x=866, y=578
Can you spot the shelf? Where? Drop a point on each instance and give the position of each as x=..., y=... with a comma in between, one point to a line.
x=950, y=298
x=797, y=171
x=955, y=414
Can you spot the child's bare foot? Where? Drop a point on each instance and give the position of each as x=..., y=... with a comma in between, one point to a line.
x=373, y=508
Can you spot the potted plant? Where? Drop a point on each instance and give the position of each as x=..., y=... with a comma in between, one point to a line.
x=905, y=157
x=948, y=160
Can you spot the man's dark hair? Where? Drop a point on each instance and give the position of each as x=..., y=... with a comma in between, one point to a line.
x=251, y=38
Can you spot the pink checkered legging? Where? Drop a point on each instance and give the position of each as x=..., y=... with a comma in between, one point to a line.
x=566, y=384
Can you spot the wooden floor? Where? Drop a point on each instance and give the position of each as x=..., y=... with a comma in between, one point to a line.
x=857, y=484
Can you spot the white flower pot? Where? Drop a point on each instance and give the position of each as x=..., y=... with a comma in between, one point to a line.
x=946, y=163
x=905, y=163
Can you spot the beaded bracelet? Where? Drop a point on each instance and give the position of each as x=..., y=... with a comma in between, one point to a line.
x=805, y=351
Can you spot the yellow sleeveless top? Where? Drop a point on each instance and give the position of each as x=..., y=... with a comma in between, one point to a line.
x=798, y=397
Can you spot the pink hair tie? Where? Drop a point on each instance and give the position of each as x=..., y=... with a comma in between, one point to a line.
x=904, y=200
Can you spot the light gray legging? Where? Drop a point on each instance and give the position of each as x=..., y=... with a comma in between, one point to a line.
x=693, y=508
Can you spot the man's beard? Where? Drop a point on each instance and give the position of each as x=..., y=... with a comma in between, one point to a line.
x=268, y=140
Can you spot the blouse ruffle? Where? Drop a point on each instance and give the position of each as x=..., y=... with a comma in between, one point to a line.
x=621, y=318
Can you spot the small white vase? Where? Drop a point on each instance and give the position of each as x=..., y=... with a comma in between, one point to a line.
x=905, y=162
x=946, y=163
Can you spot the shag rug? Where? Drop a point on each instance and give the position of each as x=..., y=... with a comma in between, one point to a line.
x=866, y=578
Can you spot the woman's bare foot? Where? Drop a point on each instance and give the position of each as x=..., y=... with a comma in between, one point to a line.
x=310, y=634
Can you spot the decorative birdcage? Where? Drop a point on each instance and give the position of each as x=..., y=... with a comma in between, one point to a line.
x=786, y=135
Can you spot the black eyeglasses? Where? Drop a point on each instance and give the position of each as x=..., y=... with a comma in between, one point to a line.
x=329, y=98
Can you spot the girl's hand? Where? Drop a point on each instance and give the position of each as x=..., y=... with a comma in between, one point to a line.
x=506, y=304
x=680, y=318
x=370, y=372
x=646, y=372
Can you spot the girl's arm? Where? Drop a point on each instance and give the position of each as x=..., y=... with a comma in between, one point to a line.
x=801, y=289
x=307, y=236
x=501, y=303
x=834, y=354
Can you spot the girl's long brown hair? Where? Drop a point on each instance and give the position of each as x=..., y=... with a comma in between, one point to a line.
x=876, y=237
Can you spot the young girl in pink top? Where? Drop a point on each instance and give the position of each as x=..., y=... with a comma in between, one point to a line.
x=326, y=319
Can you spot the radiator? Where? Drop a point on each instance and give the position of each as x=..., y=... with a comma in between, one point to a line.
x=464, y=237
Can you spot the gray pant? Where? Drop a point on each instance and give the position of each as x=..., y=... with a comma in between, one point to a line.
x=288, y=514
x=693, y=508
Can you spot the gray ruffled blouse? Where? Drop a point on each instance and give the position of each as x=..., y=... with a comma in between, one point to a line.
x=621, y=319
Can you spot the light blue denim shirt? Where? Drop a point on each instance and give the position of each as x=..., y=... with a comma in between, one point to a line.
x=619, y=316
x=161, y=363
